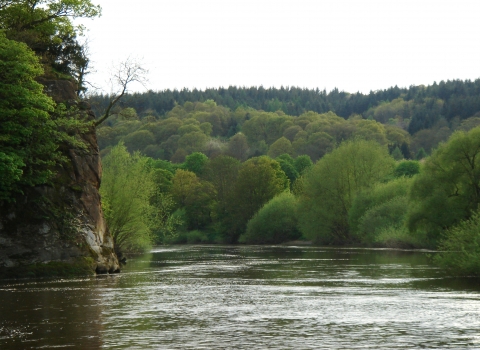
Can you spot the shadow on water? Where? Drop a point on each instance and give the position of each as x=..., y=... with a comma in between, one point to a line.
x=46, y=313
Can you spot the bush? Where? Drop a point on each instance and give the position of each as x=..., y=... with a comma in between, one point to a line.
x=399, y=237
x=197, y=237
x=128, y=184
x=375, y=197
x=379, y=217
x=275, y=222
x=460, y=248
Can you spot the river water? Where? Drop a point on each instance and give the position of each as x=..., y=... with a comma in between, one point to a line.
x=248, y=297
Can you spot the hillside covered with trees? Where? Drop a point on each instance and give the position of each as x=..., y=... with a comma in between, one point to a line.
x=413, y=120
x=257, y=177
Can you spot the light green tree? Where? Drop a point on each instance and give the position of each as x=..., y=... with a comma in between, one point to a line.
x=383, y=206
x=274, y=223
x=127, y=188
x=332, y=184
x=281, y=146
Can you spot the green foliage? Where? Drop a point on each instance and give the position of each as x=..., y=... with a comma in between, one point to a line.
x=399, y=237
x=138, y=140
x=275, y=222
x=163, y=180
x=448, y=188
x=199, y=205
x=162, y=164
x=460, y=247
x=28, y=146
x=238, y=147
x=192, y=141
x=222, y=173
x=415, y=108
x=162, y=221
x=420, y=154
x=281, y=146
x=384, y=202
x=407, y=168
x=302, y=163
x=331, y=186
x=397, y=154
x=196, y=236
x=45, y=26
x=128, y=184
x=287, y=164
x=195, y=196
x=183, y=183
x=259, y=180
x=196, y=163
x=386, y=215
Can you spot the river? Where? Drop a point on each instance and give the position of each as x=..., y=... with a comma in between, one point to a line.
x=248, y=297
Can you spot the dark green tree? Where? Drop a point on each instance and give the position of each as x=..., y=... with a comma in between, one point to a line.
x=421, y=154
x=407, y=168
x=259, y=180
x=28, y=145
x=196, y=163
x=302, y=163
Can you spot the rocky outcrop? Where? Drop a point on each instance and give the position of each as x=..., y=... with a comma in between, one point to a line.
x=62, y=222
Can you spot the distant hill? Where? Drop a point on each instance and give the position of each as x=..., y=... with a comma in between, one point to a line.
x=172, y=124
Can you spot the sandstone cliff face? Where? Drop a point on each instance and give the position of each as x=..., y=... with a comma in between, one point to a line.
x=63, y=222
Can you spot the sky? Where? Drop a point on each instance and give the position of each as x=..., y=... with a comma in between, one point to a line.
x=352, y=45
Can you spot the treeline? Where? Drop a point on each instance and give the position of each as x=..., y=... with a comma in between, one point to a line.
x=356, y=194
x=205, y=199
x=451, y=101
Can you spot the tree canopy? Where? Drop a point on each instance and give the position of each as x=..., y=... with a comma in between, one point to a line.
x=448, y=188
x=332, y=184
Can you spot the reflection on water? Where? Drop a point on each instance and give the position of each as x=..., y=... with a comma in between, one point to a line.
x=194, y=297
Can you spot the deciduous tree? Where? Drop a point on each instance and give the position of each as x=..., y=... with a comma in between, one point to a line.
x=330, y=187
x=448, y=188
x=127, y=188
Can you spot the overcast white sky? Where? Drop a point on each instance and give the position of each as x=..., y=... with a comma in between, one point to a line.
x=350, y=44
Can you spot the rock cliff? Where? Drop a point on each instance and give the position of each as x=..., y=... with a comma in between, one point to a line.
x=62, y=222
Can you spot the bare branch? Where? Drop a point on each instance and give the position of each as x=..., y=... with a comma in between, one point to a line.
x=127, y=72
